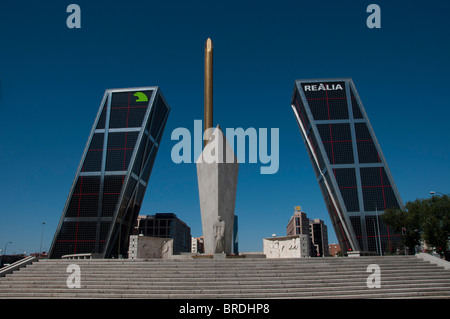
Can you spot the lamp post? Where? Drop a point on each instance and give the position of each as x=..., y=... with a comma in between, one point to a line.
x=42, y=236
x=6, y=245
x=378, y=226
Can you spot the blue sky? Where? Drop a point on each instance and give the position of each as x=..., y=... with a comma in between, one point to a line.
x=53, y=79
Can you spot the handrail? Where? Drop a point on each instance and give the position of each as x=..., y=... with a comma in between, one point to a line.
x=82, y=256
x=15, y=266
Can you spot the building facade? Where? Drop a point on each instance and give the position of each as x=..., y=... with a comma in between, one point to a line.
x=315, y=230
x=351, y=170
x=166, y=226
x=319, y=238
x=298, y=224
x=334, y=249
x=197, y=245
x=111, y=180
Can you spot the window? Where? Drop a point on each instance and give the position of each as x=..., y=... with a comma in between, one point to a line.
x=346, y=180
x=377, y=190
x=127, y=110
x=337, y=142
x=327, y=101
x=120, y=150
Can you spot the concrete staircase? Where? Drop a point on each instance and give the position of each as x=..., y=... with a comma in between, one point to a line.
x=401, y=277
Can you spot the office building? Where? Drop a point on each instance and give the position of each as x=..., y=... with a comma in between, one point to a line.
x=111, y=180
x=315, y=230
x=197, y=245
x=319, y=238
x=351, y=170
x=166, y=226
x=298, y=224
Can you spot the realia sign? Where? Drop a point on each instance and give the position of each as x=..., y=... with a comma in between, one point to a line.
x=323, y=87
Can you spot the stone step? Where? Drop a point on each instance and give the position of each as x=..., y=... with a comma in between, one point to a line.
x=232, y=269
x=228, y=262
x=235, y=291
x=242, y=268
x=368, y=293
x=262, y=274
x=221, y=288
x=243, y=277
x=181, y=272
x=234, y=261
x=225, y=266
x=195, y=284
x=232, y=274
x=247, y=278
x=188, y=285
x=222, y=285
x=241, y=261
x=152, y=265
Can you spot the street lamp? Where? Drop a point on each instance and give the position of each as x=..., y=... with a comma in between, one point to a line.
x=378, y=226
x=42, y=236
x=433, y=192
x=6, y=245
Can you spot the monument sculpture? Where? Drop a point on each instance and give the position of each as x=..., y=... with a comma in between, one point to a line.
x=217, y=172
x=219, y=236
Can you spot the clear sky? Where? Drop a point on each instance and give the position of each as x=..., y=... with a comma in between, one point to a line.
x=53, y=79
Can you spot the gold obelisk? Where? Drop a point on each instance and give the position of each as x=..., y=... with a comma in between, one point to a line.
x=208, y=94
x=217, y=176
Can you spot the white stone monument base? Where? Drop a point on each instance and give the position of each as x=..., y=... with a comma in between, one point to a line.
x=220, y=256
x=142, y=247
x=286, y=247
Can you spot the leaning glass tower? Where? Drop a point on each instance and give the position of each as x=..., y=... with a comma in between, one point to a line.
x=351, y=170
x=110, y=183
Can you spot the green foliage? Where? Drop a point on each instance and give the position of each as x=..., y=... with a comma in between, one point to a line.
x=427, y=217
x=399, y=219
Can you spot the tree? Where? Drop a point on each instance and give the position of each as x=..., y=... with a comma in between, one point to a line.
x=436, y=221
x=427, y=217
x=405, y=222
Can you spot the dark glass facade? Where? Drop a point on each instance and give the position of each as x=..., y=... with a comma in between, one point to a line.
x=351, y=170
x=319, y=238
x=109, y=186
x=166, y=226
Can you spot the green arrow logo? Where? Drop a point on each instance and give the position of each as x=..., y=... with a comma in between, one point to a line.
x=141, y=97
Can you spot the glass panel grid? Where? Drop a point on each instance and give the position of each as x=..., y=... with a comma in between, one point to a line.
x=337, y=142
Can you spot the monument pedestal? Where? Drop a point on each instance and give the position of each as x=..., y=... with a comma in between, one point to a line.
x=217, y=173
x=220, y=256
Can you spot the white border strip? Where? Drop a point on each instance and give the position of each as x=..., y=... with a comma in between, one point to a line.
x=434, y=260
